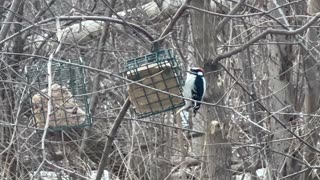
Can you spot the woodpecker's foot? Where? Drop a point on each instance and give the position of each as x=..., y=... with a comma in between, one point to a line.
x=194, y=112
x=186, y=126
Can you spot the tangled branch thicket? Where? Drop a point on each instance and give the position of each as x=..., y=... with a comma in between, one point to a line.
x=259, y=118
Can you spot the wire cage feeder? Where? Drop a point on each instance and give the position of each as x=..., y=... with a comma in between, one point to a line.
x=69, y=107
x=159, y=70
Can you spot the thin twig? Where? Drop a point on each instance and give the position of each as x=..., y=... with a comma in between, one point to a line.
x=67, y=170
x=269, y=113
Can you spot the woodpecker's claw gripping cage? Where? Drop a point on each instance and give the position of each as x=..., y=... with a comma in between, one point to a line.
x=159, y=70
x=69, y=107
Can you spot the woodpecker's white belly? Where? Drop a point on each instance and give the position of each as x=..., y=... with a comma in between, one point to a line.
x=187, y=88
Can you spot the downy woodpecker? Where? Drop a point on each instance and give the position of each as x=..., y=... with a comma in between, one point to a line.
x=194, y=88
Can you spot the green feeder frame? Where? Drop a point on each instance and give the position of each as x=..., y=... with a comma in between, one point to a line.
x=159, y=70
x=70, y=105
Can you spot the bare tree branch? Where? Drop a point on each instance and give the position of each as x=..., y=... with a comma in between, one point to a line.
x=173, y=21
x=244, y=15
x=263, y=34
x=225, y=20
x=81, y=18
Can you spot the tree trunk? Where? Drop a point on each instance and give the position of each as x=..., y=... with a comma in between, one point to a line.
x=313, y=85
x=214, y=118
x=279, y=66
x=252, y=109
x=280, y=101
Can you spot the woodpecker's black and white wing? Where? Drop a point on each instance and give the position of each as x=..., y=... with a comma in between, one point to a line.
x=204, y=87
x=198, y=91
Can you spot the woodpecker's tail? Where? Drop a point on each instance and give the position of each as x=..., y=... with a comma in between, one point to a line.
x=188, y=105
x=182, y=109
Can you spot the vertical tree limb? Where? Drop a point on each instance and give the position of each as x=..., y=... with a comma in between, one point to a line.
x=111, y=136
x=213, y=121
x=7, y=22
x=96, y=82
x=251, y=108
x=312, y=98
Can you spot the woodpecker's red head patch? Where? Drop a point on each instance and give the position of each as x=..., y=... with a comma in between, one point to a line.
x=197, y=69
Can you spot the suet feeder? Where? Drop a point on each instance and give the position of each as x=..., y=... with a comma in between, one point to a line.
x=159, y=70
x=69, y=107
